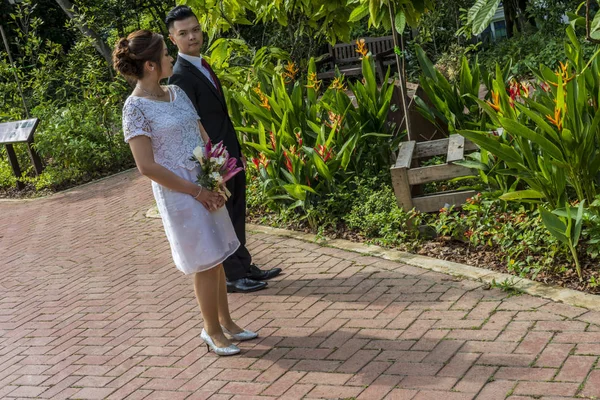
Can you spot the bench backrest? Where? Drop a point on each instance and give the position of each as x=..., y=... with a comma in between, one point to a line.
x=346, y=52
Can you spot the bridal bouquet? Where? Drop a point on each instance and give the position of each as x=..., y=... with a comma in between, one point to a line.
x=216, y=167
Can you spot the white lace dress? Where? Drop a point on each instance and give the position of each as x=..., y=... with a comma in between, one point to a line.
x=199, y=239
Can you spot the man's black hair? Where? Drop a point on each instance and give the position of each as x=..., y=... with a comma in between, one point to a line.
x=178, y=13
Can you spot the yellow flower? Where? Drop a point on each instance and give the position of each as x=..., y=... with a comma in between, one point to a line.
x=557, y=120
x=313, y=82
x=563, y=72
x=495, y=103
x=338, y=83
x=291, y=71
x=362, y=47
x=264, y=100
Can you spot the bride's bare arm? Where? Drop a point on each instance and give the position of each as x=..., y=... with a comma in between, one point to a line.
x=141, y=147
x=203, y=133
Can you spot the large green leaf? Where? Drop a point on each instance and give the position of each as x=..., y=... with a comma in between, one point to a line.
x=318, y=162
x=522, y=194
x=493, y=145
x=426, y=64
x=539, y=121
x=555, y=225
x=595, y=27
x=400, y=22
x=578, y=224
x=298, y=191
x=515, y=128
x=484, y=14
x=359, y=13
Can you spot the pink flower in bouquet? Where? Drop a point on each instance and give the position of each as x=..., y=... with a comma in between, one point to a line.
x=216, y=167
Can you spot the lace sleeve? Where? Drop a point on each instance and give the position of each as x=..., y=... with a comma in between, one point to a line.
x=134, y=122
x=186, y=98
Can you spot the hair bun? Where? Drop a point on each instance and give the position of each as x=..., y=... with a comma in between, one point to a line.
x=123, y=43
x=130, y=54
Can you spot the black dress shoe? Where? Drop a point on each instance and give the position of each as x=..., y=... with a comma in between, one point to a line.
x=259, y=275
x=244, y=285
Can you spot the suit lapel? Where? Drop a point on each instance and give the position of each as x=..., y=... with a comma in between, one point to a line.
x=198, y=74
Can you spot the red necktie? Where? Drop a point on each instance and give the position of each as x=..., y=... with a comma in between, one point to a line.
x=212, y=74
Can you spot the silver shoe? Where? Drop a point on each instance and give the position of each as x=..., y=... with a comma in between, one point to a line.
x=230, y=350
x=244, y=335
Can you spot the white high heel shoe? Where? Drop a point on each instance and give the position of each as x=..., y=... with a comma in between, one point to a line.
x=230, y=350
x=244, y=335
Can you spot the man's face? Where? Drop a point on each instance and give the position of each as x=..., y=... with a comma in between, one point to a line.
x=187, y=36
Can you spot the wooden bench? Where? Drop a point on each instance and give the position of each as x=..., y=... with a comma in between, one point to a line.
x=347, y=59
x=408, y=175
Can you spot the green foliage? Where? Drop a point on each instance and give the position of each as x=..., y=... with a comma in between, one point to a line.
x=304, y=147
x=550, y=140
x=78, y=105
x=454, y=104
x=331, y=19
x=376, y=215
x=527, y=51
x=566, y=227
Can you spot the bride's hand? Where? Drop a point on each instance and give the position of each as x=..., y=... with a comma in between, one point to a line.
x=212, y=201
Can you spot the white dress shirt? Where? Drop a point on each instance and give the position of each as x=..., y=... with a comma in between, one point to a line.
x=197, y=62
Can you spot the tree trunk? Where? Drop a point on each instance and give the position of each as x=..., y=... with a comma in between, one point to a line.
x=99, y=44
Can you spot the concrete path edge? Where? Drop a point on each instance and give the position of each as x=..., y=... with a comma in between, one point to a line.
x=555, y=293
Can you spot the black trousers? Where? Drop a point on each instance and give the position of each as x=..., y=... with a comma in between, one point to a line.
x=237, y=265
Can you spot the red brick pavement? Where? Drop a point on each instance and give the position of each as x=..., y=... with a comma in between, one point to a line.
x=91, y=307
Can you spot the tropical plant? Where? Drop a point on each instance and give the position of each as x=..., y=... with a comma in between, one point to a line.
x=304, y=146
x=454, y=103
x=550, y=137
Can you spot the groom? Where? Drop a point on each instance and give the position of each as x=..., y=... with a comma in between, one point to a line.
x=193, y=74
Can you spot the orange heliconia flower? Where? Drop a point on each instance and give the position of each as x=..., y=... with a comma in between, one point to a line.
x=264, y=100
x=557, y=120
x=335, y=119
x=495, y=103
x=362, y=47
x=338, y=83
x=291, y=71
x=313, y=82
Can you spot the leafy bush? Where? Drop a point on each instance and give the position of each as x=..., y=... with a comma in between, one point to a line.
x=305, y=148
x=527, y=52
x=77, y=102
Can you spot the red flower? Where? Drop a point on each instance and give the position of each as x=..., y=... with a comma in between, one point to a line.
x=469, y=233
x=324, y=152
x=272, y=139
x=261, y=160
x=299, y=139
x=288, y=162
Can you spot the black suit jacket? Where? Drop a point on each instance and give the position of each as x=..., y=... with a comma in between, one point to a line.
x=209, y=103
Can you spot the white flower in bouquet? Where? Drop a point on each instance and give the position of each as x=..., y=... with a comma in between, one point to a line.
x=216, y=176
x=219, y=161
x=199, y=154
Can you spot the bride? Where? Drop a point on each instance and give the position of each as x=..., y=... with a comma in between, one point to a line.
x=162, y=129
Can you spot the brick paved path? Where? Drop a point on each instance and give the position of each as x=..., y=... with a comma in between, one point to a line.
x=92, y=308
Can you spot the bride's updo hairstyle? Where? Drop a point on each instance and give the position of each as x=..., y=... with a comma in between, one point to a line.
x=132, y=52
